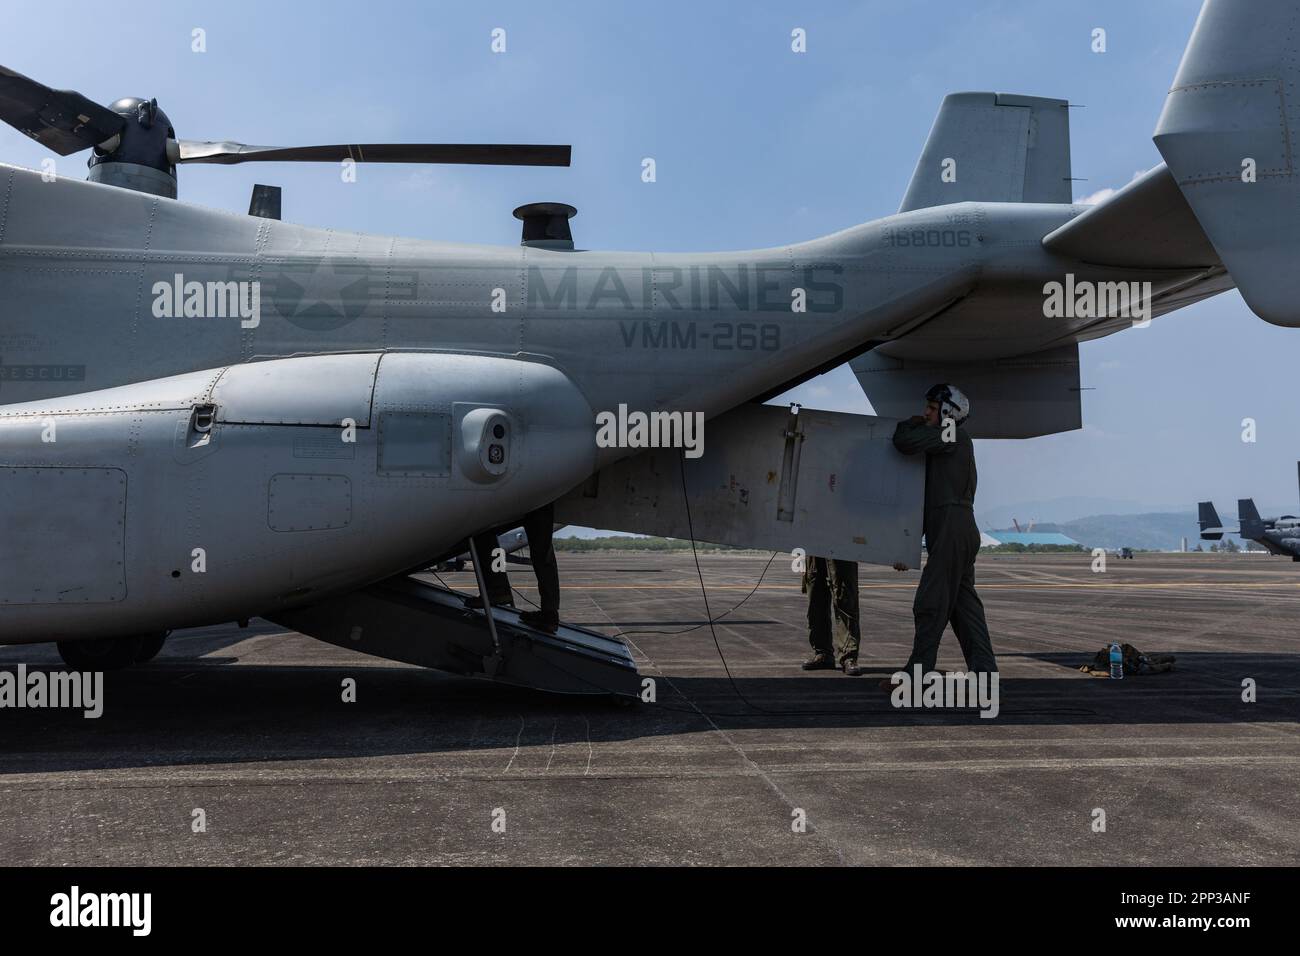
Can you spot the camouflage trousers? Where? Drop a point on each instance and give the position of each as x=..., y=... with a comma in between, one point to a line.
x=832, y=589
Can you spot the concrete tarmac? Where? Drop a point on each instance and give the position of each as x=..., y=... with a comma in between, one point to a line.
x=249, y=726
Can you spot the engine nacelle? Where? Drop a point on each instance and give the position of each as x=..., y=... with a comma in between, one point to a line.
x=236, y=492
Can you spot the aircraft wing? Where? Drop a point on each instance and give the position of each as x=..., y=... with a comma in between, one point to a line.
x=829, y=483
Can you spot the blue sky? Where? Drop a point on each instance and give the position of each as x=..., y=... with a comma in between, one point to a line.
x=754, y=146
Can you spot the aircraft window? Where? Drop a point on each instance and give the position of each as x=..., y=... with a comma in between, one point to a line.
x=415, y=442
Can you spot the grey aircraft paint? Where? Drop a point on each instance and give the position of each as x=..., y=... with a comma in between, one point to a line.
x=227, y=415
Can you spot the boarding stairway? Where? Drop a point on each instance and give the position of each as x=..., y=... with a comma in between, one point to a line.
x=410, y=620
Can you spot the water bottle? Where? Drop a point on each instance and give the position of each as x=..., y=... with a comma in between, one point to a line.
x=1116, y=661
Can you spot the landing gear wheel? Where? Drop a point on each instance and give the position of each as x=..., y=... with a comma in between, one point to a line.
x=101, y=654
x=150, y=645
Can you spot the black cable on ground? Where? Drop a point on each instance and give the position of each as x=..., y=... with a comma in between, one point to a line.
x=712, y=621
x=687, y=630
x=690, y=527
x=694, y=710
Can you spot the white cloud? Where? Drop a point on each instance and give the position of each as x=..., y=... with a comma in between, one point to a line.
x=1101, y=195
x=1092, y=199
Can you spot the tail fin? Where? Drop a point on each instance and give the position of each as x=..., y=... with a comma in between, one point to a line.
x=994, y=147
x=1252, y=525
x=1209, y=519
x=1228, y=133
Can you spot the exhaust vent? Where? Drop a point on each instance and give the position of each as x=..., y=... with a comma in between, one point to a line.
x=546, y=224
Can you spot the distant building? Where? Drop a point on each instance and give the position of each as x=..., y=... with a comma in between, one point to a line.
x=1026, y=538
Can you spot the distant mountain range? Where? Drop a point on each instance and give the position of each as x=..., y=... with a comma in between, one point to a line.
x=1064, y=509
x=1151, y=531
x=1111, y=522
x=1093, y=522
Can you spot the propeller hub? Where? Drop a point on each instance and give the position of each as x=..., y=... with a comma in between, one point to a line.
x=143, y=140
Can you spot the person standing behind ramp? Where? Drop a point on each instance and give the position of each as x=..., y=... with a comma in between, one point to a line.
x=946, y=593
x=832, y=589
x=539, y=527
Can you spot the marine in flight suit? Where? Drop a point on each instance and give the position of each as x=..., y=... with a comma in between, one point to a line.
x=946, y=594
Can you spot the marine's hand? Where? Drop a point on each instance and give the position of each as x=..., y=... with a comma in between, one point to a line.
x=900, y=566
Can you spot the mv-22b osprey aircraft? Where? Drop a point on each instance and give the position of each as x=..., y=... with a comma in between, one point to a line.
x=1278, y=535
x=170, y=463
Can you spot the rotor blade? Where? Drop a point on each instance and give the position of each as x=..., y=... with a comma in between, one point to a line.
x=192, y=151
x=63, y=120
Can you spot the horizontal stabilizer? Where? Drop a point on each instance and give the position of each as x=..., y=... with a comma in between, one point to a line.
x=994, y=147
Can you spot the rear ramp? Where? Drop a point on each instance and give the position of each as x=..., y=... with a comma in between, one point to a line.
x=408, y=620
